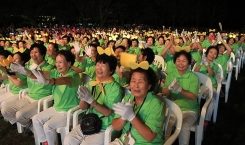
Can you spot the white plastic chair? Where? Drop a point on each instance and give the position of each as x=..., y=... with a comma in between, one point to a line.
x=85, y=78
x=235, y=62
x=172, y=108
x=227, y=81
x=159, y=62
x=219, y=79
x=22, y=93
x=197, y=127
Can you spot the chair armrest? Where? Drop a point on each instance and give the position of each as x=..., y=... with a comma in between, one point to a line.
x=46, y=101
x=108, y=133
x=23, y=92
x=41, y=102
x=203, y=113
x=69, y=116
x=75, y=117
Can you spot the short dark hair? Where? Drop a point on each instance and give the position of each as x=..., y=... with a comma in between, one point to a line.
x=183, y=52
x=56, y=46
x=68, y=56
x=5, y=53
x=42, y=49
x=153, y=39
x=68, y=38
x=211, y=47
x=135, y=40
x=111, y=60
x=120, y=46
x=150, y=76
x=150, y=55
x=23, y=57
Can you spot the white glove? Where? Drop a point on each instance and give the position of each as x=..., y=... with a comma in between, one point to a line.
x=219, y=38
x=40, y=78
x=119, y=41
x=84, y=94
x=16, y=67
x=77, y=48
x=122, y=69
x=204, y=61
x=125, y=110
x=175, y=86
x=26, y=33
x=88, y=51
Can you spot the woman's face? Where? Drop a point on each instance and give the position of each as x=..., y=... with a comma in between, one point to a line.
x=212, y=54
x=45, y=40
x=221, y=49
x=139, y=85
x=36, y=56
x=2, y=43
x=51, y=49
x=167, y=42
x=102, y=70
x=111, y=44
x=141, y=58
x=62, y=65
x=118, y=53
x=20, y=45
x=93, y=52
x=161, y=41
x=231, y=41
x=150, y=41
x=182, y=63
x=7, y=44
x=73, y=51
x=17, y=59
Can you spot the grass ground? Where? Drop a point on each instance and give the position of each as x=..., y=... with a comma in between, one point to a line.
x=228, y=130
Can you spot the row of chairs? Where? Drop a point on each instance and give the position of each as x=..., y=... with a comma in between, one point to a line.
x=172, y=108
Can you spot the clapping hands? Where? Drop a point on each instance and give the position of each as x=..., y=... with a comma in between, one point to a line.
x=125, y=110
x=175, y=86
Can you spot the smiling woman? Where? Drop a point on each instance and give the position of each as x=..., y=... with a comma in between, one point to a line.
x=181, y=87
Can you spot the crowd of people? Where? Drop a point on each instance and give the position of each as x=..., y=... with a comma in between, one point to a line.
x=48, y=62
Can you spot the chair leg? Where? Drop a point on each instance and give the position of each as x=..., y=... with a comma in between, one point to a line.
x=20, y=128
x=216, y=106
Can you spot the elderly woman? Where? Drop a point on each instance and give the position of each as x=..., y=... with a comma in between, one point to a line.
x=16, y=81
x=65, y=83
x=140, y=115
x=85, y=64
x=118, y=75
x=23, y=109
x=181, y=86
x=209, y=68
x=98, y=97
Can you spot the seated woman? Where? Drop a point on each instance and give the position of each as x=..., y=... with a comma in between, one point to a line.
x=140, y=115
x=209, y=68
x=86, y=64
x=181, y=86
x=3, y=77
x=65, y=83
x=23, y=109
x=148, y=55
x=168, y=54
x=223, y=56
x=118, y=75
x=52, y=49
x=98, y=98
x=16, y=81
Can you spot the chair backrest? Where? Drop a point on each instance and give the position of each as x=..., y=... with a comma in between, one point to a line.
x=85, y=78
x=232, y=57
x=219, y=75
x=229, y=66
x=174, y=109
x=159, y=62
x=126, y=90
x=204, y=83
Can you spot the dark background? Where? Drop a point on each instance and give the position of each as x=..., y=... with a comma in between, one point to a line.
x=198, y=14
